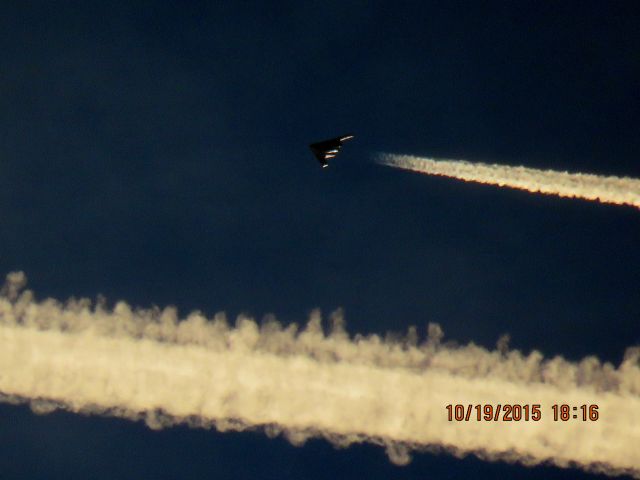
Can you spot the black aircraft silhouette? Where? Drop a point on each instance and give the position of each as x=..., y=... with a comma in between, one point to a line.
x=328, y=148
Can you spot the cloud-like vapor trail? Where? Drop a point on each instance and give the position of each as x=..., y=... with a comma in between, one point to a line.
x=616, y=190
x=302, y=382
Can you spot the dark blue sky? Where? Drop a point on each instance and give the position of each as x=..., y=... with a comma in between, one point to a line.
x=156, y=152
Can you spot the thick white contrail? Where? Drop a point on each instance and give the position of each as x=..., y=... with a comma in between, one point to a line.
x=148, y=364
x=617, y=190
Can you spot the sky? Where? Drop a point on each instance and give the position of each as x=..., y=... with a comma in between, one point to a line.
x=157, y=153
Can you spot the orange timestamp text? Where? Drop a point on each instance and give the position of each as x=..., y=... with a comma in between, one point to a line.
x=519, y=412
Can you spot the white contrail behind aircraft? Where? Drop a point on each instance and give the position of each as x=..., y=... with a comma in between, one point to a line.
x=616, y=190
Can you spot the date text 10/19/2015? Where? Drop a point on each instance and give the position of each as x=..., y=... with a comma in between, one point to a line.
x=519, y=412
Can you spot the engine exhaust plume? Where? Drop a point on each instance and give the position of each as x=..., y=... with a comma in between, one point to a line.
x=148, y=364
x=615, y=190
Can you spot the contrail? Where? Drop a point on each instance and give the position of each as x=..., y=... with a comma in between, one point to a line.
x=617, y=190
x=151, y=365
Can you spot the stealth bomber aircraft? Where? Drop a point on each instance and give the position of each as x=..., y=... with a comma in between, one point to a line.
x=327, y=149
